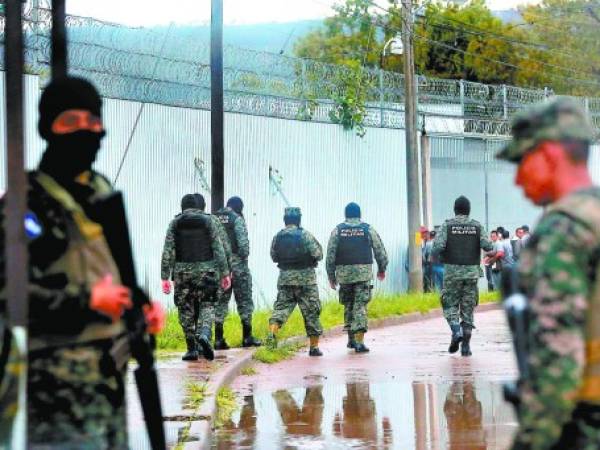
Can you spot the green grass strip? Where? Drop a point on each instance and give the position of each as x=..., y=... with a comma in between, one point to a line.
x=226, y=406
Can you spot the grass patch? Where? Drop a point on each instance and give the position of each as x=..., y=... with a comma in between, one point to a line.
x=196, y=394
x=284, y=351
x=332, y=314
x=249, y=371
x=226, y=406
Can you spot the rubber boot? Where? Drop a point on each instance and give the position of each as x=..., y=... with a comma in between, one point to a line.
x=192, y=352
x=457, y=337
x=351, y=341
x=272, y=337
x=314, y=346
x=204, y=344
x=465, y=347
x=220, y=342
x=249, y=340
x=360, y=346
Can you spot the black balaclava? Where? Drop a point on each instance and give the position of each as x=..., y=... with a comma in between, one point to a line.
x=292, y=219
x=200, y=202
x=236, y=204
x=352, y=211
x=70, y=154
x=462, y=206
x=189, y=201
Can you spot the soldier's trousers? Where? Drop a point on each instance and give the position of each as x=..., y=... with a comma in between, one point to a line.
x=195, y=300
x=76, y=399
x=583, y=431
x=241, y=286
x=459, y=299
x=307, y=299
x=355, y=298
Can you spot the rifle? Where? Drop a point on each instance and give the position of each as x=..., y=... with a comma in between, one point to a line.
x=516, y=306
x=110, y=213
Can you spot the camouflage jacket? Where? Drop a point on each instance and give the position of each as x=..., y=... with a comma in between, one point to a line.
x=459, y=272
x=355, y=273
x=225, y=241
x=298, y=277
x=58, y=304
x=218, y=264
x=557, y=269
x=241, y=235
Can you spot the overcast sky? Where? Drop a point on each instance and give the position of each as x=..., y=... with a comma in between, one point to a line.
x=153, y=12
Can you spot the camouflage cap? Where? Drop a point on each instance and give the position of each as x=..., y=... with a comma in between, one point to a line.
x=292, y=211
x=559, y=119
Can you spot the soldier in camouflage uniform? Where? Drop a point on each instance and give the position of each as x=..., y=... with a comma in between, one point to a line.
x=296, y=253
x=235, y=226
x=76, y=384
x=350, y=263
x=193, y=255
x=459, y=242
x=560, y=274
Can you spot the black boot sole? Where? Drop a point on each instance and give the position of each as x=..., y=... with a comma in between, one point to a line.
x=455, y=345
x=221, y=345
x=253, y=343
x=207, y=350
x=190, y=357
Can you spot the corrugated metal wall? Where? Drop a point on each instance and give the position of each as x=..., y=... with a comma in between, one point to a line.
x=322, y=168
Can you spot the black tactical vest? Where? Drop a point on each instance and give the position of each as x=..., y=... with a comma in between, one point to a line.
x=192, y=238
x=354, y=245
x=463, y=244
x=291, y=253
x=228, y=218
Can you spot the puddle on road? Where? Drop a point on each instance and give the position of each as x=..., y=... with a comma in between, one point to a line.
x=460, y=415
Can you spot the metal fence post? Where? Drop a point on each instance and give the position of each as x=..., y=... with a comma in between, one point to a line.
x=504, y=103
x=381, y=98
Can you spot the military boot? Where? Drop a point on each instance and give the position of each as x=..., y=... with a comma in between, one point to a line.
x=192, y=352
x=359, y=346
x=272, y=336
x=457, y=337
x=249, y=340
x=203, y=340
x=220, y=342
x=351, y=341
x=314, y=347
x=465, y=347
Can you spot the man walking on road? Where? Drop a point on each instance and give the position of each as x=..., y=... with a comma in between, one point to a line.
x=233, y=220
x=194, y=257
x=296, y=253
x=460, y=240
x=559, y=274
x=350, y=264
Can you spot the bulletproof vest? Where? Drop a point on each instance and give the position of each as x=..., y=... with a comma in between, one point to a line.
x=291, y=252
x=462, y=244
x=354, y=245
x=192, y=238
x=228, y=218
x=584, y=207
x=86, y=261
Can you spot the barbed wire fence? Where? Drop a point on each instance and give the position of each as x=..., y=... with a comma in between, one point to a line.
x=134, y=64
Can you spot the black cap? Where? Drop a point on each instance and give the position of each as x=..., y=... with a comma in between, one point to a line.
x=352, y=211
x=236, y=204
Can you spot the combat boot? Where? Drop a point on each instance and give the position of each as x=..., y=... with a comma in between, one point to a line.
x=272, y=337
x=359, y=346
x=249, y=340
x=465, y=347
x=457, y=337
x=314, y=346
x=220, y=342
x=192, y=352
x=204, y=344
x=351, y=341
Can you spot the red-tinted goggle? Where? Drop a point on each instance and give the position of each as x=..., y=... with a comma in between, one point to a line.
x=74, y=120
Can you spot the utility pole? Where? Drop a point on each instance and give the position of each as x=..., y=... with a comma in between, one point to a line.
x=15, y=208
x=415, y=270
x=59, y=40
x=217, y=179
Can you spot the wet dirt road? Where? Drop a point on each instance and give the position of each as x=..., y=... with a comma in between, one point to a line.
x=407, y=393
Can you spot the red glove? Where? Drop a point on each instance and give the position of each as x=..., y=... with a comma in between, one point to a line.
x=226, y=282
x=156, y=317
x=110, y=299
x=381, y=276
x=166, y=286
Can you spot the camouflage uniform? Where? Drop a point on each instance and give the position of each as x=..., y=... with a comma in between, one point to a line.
x=299, y=287
x=76, y=394
x=355, y=280
x=559, y=273
x=196, y=283
x=460, y=295
x=241, y=282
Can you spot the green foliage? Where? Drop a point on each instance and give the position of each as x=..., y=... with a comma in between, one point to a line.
x=350, y=100
x=226, y=406
x=196, y=393
x=332, y=314
x=282, y=352
x=249, y=371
